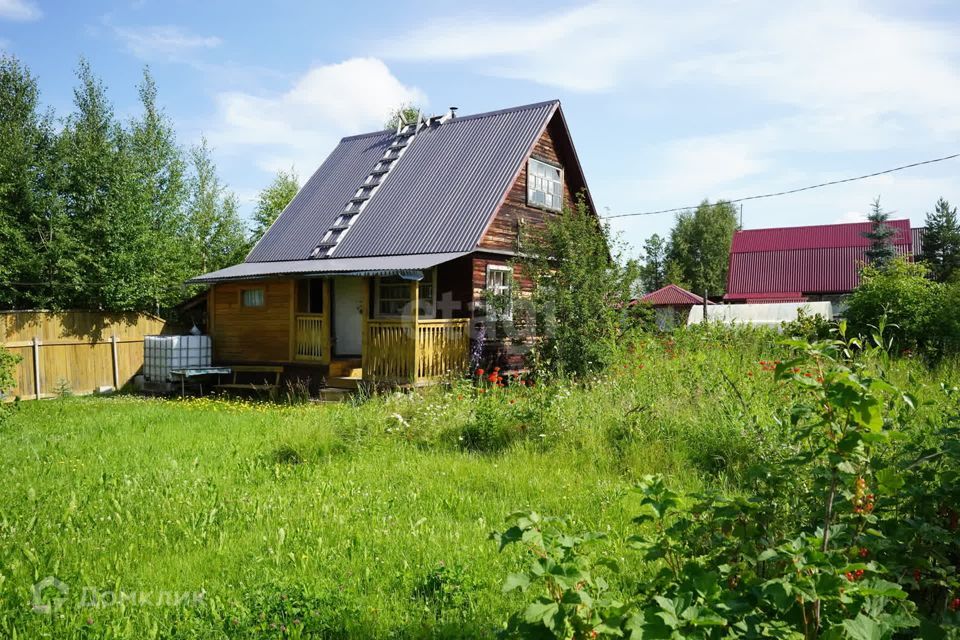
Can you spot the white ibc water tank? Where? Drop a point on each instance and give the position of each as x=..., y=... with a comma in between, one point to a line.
x=161, y=354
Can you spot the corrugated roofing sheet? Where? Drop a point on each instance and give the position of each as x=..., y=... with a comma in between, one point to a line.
x=672, y=295
x=438, y=198
x=805, y=260
x=379, y=265
x=824, y=236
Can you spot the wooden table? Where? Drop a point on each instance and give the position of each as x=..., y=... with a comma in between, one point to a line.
x=198, y=372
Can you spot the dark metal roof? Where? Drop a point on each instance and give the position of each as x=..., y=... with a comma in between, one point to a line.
x=408, y=265
x=793, y=261
x=438, y=199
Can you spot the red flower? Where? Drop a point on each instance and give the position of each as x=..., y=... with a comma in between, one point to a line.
x=955, y=604
x=864, y=552
x=495, y=369
x=480, y=372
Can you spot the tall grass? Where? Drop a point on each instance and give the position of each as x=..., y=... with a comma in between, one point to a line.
x=362, y=520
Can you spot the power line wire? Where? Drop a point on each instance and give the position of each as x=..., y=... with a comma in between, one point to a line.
x=790, y=191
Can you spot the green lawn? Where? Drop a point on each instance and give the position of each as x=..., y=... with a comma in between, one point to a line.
x=366, y=520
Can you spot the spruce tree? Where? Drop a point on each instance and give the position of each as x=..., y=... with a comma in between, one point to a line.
x=160, y=194
x=27, y=202
x=881, y=251
x=93, y=271
x=941, y=242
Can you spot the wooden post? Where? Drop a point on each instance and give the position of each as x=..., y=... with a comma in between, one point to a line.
x=292, y=343
x=328, y=324
x=415, y=316
x=705, y=305
x=116, y=363
x=364, y=327
x=36, y=368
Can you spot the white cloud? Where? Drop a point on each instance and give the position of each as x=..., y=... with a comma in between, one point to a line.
x=299, y=126
x=588, y=48
x=165, y=42
x=19, y=10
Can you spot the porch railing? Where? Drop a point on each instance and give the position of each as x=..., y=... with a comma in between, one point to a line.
x=311, y=338
x=392, y=354
x=443, y=346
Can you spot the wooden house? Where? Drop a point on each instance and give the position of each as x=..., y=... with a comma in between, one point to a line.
x=379, y=267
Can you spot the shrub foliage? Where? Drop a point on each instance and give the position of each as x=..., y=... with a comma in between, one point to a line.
x=850, y=531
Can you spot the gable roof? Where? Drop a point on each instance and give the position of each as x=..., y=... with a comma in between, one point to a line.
x=439, y=198
x=672, y=295
x=801, y=260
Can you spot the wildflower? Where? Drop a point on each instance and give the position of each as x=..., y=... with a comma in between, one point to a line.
x=955, y=604
x=864, y=552
x=480, y=372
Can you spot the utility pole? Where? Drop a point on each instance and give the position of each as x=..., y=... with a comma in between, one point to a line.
x=704, y=305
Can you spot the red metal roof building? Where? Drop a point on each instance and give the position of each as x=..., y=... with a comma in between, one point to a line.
x=671, y=304
x=795, y=264
x=672, y=296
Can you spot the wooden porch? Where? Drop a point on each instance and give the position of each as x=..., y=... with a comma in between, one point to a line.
x=405, y=350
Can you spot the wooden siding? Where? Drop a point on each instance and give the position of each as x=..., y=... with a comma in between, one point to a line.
x=75, y=351
x=252, y=334
x=553, y=148
x=507, y=353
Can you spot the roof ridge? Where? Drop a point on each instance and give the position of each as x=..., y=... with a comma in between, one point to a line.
x=814, y=226
x=472, y=116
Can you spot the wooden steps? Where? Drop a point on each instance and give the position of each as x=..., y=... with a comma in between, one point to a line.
x=345, y=375
x=351, y=383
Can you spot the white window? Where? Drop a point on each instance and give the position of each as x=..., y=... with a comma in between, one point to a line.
x=544, y=185
x=393, y=295
x=500, y=292
x=251, y=297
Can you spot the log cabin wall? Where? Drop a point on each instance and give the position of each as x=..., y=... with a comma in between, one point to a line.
x=252, y=334
x=553, y=147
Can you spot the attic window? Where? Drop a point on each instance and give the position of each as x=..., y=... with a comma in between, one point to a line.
x=544, y=185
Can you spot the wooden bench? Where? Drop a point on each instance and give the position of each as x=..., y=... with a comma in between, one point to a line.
x=253, y=371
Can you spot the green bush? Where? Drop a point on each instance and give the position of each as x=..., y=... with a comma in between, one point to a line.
x=579, y=308
x=902, y=293
x=852, y=532
x=809, y=326
x=7, y=363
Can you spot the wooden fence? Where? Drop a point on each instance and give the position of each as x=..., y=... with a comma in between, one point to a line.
x=75, y=351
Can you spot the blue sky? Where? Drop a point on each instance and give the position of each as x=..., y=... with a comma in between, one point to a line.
x=668, y=102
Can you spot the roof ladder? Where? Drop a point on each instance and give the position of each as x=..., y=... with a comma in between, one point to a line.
x=402, y=139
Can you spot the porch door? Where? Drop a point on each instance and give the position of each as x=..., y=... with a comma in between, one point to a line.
x=348, y=305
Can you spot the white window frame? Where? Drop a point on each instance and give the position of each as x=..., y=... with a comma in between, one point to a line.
x=430, y=277
x=258, y=292
x=505, y=287
x=540, y=184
